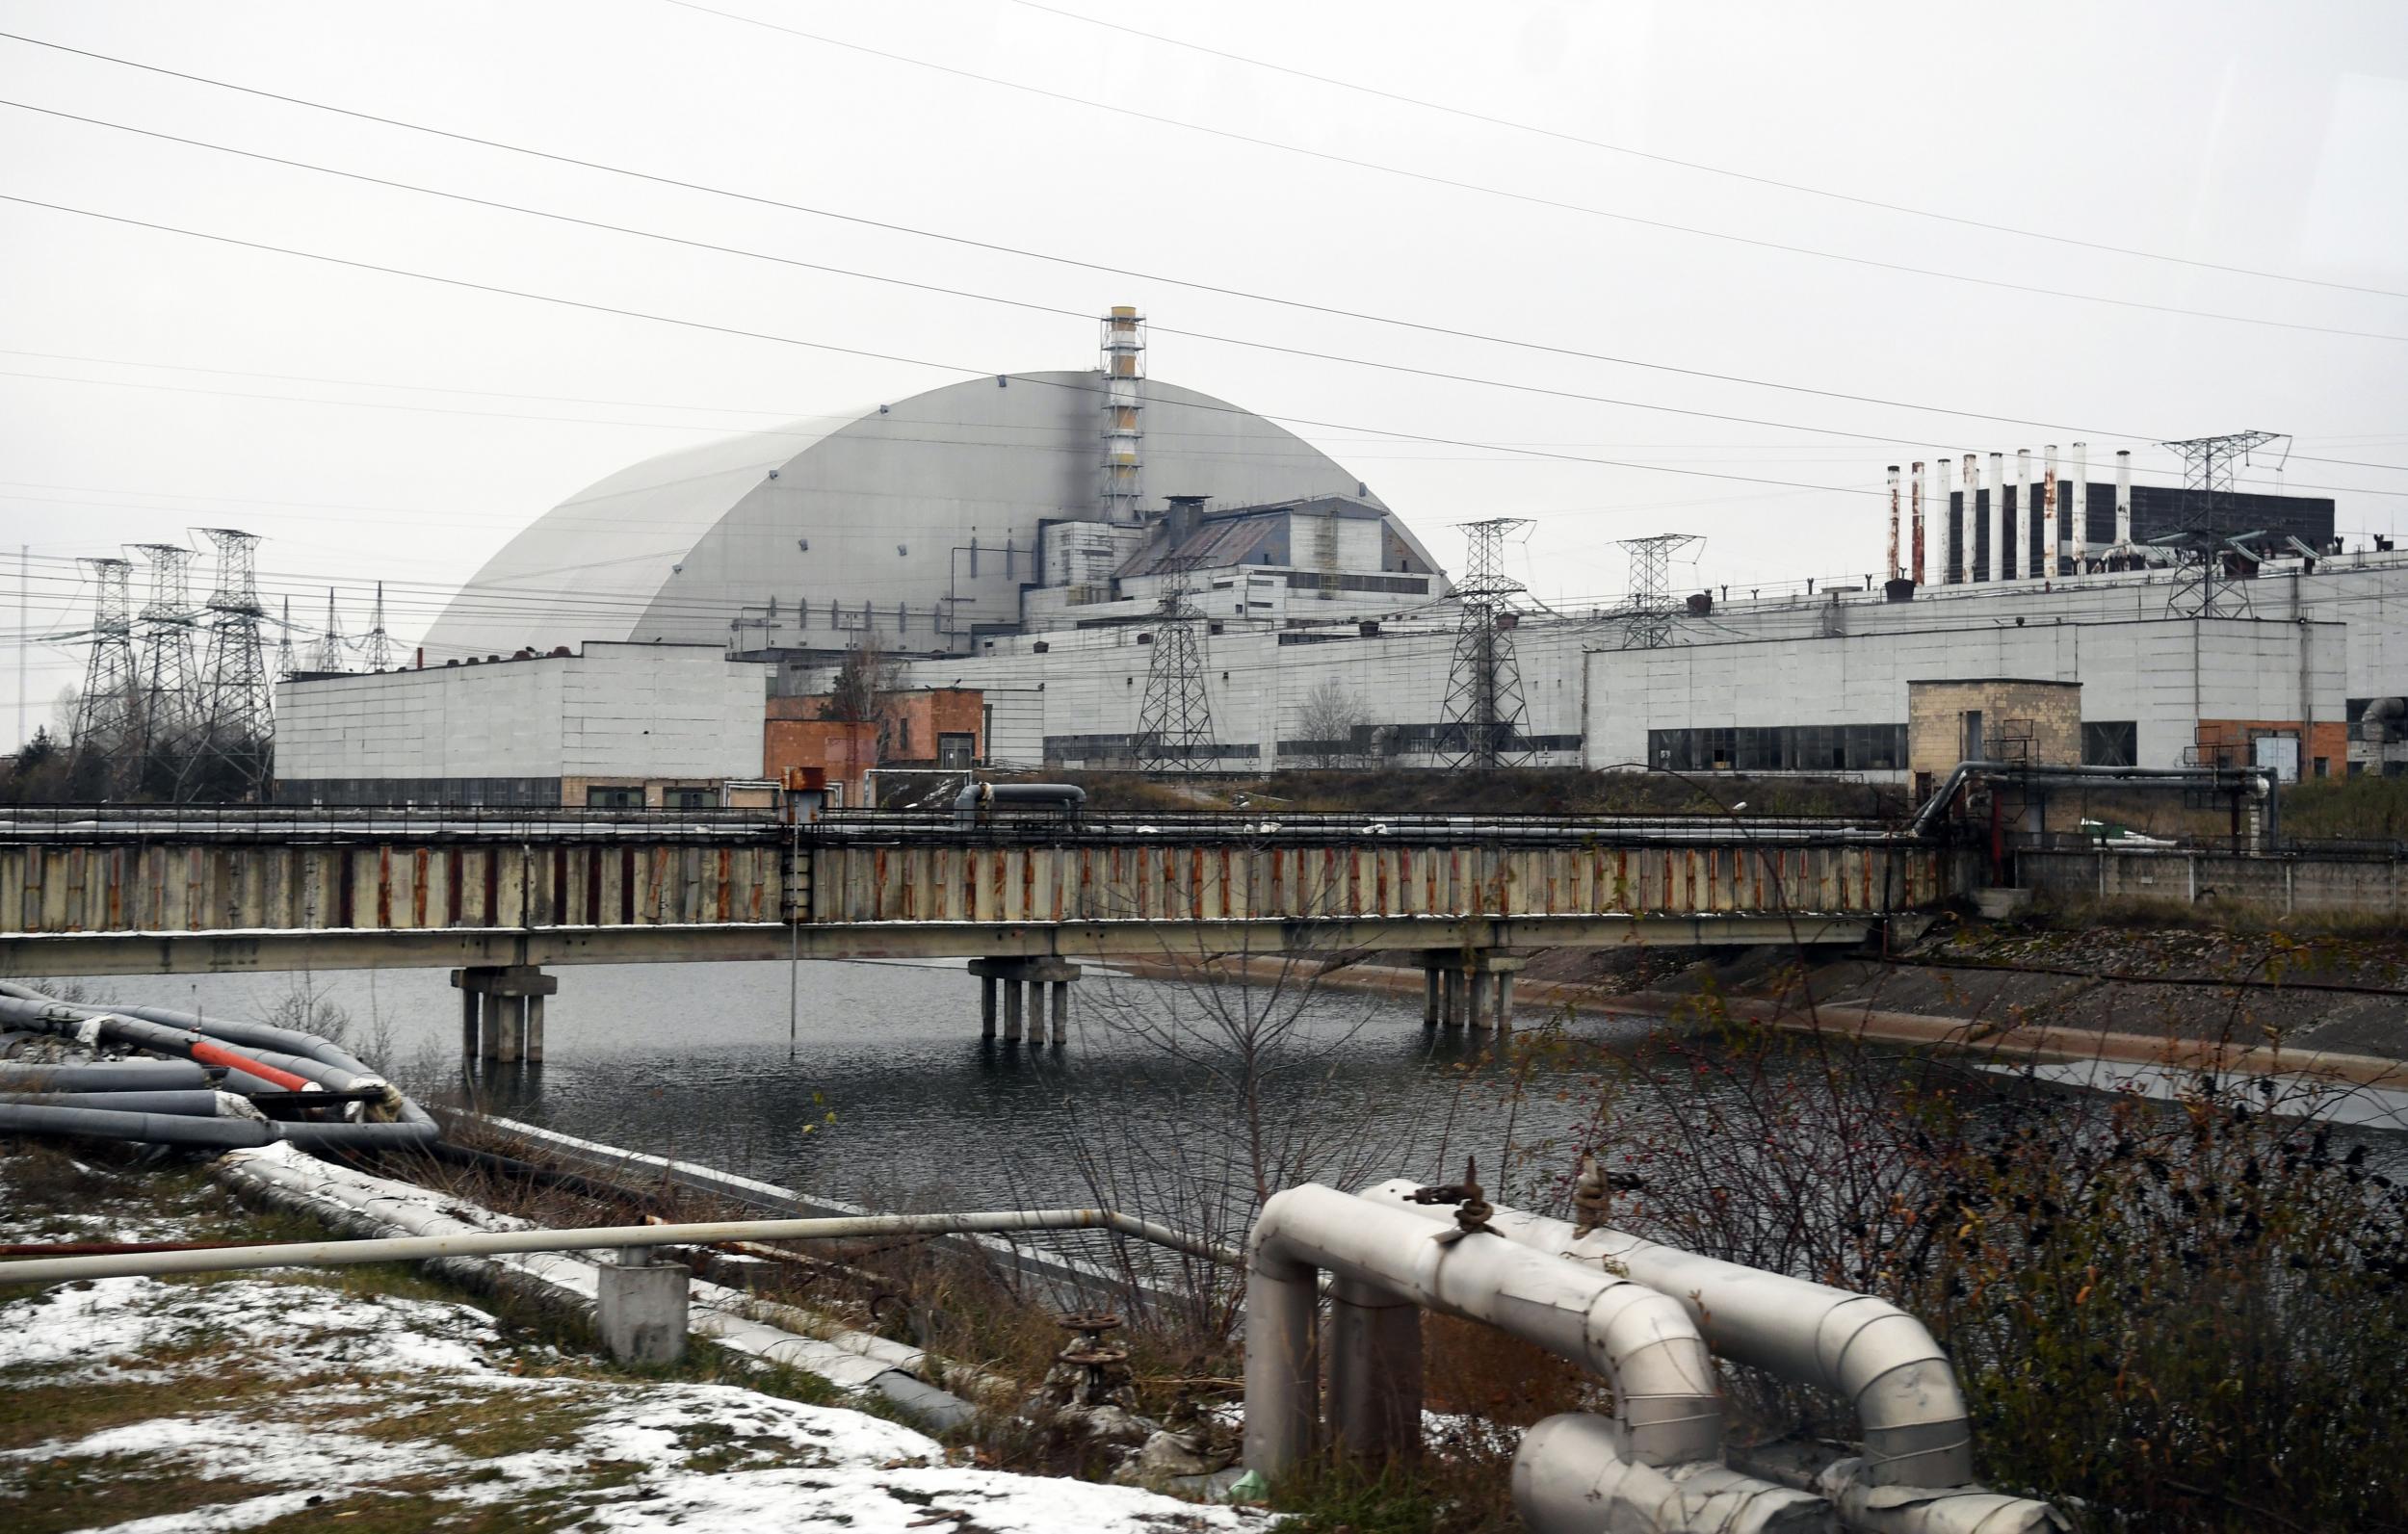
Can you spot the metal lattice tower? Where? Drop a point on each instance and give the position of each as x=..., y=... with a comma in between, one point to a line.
x=170, y=689
x=285, y=665
x=105, y=715
x=1483, y=719
x=1647, y=622
x=2205, y=585
x=1175, y=720
x=237, y=721
x=331, y=645
x=377, y=646
x=1123, y=366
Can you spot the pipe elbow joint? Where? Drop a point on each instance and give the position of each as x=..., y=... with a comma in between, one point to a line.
x=1666, y=1391
x=1890, y=1367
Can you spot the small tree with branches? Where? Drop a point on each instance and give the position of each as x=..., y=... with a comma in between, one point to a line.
x=1333, y=717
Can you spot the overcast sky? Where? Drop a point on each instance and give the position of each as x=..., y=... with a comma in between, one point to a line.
x=377, y=426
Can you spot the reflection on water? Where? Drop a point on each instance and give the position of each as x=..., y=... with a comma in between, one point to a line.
x=694, y=1060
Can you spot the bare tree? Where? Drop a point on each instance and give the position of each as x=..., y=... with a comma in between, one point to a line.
x=1332, y=717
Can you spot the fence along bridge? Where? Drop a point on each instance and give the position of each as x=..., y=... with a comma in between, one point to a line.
x=122, y=892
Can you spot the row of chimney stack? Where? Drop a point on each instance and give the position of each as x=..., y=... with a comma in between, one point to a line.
x=2064, y=510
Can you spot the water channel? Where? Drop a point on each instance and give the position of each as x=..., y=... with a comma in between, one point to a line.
x=888, y=1096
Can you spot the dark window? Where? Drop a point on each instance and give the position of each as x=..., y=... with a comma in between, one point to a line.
x=601, y=798
x=2109, y=742
x=956, y=750
x=1780, y=749
x=689, y=798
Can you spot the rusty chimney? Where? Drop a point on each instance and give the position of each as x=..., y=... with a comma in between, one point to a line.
x=1946, y=506
x=1891, y=574
x=2123, y=499
x=2081, y=505
x=2049, y=519
x=1915, y=520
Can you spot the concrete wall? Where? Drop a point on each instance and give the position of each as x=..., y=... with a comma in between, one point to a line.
x=2162, y=674
x=614, y=710
x=2278, y=883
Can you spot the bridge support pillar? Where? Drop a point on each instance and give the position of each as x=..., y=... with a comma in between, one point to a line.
x=1031, y=989
x=1472, y=988
x=501, y=1012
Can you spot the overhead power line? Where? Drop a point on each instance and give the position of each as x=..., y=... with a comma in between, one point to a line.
x=2020, y=231
x=1441, y=374
x=1531, y=198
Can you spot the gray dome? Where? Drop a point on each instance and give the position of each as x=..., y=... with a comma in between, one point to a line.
x=881, y=507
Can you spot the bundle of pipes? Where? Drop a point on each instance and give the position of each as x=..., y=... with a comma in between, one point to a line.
x=203, y=1082
x=1648, y=1320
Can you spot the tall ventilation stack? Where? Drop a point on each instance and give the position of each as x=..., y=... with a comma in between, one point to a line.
x=1943, y=503
x=1124, y=413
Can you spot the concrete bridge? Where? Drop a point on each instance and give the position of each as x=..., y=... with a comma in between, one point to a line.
x=138, y=891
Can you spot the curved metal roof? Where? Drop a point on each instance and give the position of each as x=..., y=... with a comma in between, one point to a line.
x=883, y=507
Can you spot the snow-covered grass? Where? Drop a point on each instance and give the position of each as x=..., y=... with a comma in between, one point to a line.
x=284, y=1401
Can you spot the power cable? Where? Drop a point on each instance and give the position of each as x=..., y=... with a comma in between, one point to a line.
x=1466, y=112
x=1301, y=305
x=1532, y=199
x=863, y=352
x=1439, y=374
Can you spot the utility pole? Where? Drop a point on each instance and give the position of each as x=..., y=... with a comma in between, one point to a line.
x=1483, y=719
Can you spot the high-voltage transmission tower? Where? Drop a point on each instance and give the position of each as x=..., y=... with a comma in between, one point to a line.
x=170, y=689
x=105, y=715
x=1483, y=720
x=1175, y=721
x=330, y=645
x=285, y=663
x=376, y=646
x=238, y=727
x=2206, y=583
x=1647, y=622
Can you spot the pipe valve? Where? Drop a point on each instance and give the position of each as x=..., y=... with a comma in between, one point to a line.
x=1472, y=1210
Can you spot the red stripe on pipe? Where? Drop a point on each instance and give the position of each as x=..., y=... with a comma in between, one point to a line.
x=208, y=1053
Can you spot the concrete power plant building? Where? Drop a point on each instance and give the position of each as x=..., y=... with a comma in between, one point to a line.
x=1054, y=541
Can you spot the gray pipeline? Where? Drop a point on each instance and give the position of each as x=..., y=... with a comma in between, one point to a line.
x=103, y=1076
x=197, y=1103
x=170, y=1129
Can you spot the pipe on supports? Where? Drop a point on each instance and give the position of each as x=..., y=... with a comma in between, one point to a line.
x=1915, y=498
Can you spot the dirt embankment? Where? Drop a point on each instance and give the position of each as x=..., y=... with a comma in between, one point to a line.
x=2230, y=1000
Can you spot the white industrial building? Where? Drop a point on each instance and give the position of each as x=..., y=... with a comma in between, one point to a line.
x=1036, y=536
x=614, y=725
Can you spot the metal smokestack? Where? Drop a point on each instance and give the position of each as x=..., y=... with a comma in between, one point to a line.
x=2123, y=499
x=2000, y=528
x=2081, y=505
x=2028, y=560
x=1947, y=503
x=1893, y=575
x=1915, y=500
x=2049, y=519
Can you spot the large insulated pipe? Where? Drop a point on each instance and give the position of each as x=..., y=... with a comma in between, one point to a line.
x=1569, y=1477
x=1863, y=1350
x=2081, y=505
x=2028, y=557
x=1666, y=1401
x=2123, y=499
x=978, y=799
x=224, y=1133
x=103, y=1076
x=196, y=1102
x=1915, y=570
x=1893, y=569
x=2001, y=528
x=2049, y=519
x=1943, y=501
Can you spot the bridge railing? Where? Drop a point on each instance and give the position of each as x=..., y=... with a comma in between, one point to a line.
x=70, y=822
x=1273, y=827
